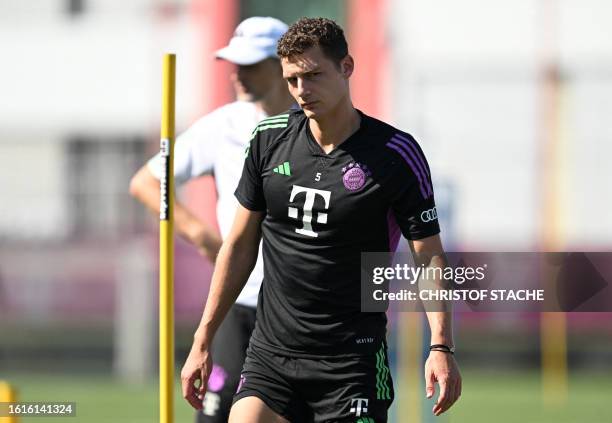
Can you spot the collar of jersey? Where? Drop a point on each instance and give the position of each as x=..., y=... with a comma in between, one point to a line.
x=316, y=149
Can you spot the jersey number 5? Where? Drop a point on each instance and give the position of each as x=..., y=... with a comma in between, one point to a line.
x=318, y=177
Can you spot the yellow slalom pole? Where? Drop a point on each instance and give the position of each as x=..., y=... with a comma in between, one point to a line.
x=553, y=326
x=553, y=338
x=7, y=394
x=410, y=369
x=166, y=245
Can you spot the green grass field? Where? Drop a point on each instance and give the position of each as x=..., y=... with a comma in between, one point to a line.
x=513, y=397
x=500, y=397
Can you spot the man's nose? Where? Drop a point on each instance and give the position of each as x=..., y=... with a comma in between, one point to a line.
x=303, y=88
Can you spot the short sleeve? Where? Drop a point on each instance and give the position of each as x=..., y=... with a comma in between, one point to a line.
x=194, y=152
x=412, y=196
x=250, y=188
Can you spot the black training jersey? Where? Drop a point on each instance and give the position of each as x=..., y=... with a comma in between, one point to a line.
x=323, y=211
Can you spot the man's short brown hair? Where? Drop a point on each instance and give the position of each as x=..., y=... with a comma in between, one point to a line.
x=310, y=32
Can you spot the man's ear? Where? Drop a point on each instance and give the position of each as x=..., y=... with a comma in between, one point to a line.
x=347, y=66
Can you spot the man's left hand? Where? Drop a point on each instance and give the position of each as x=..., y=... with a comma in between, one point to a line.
x=441, y=367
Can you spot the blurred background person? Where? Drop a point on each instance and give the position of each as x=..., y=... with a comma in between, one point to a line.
x=215, y=144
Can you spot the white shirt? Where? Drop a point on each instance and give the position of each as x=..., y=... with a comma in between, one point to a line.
x=215, y=144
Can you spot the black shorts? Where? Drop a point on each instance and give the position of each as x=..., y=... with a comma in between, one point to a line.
x=228, y=351
x=318, y=390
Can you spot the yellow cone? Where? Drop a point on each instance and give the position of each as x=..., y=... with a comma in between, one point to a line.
x=7, y=394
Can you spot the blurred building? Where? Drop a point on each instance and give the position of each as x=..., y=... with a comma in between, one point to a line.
x=509, y=100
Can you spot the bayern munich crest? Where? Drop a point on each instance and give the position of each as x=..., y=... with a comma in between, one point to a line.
x=354, y=176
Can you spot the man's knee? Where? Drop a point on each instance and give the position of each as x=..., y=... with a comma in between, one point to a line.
x=253, y=410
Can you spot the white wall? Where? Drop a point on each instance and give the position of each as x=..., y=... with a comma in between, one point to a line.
x=96, y=74
x=466, y=78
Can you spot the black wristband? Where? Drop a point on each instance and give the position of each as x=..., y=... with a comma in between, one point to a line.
x=442, y=348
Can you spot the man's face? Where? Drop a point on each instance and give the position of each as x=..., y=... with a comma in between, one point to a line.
x=255, y=81
x=316, y=83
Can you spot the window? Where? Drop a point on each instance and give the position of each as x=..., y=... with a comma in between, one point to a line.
x=98, y=172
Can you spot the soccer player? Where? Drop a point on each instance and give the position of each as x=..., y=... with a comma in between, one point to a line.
x=215, y=144
x=321, y=185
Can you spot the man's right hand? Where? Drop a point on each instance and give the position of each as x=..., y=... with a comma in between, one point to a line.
x=240, y=246
x=195, y=374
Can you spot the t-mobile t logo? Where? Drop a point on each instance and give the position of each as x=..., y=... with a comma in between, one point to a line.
x=311, y=193
x=359, y=405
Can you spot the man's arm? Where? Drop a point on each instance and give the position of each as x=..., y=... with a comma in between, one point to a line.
x=236, y=259
x=145, y=187
x=440, y=366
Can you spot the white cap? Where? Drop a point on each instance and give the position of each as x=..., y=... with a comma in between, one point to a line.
x=254, y=40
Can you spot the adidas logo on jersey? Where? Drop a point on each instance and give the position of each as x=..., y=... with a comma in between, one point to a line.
x=283, y=169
